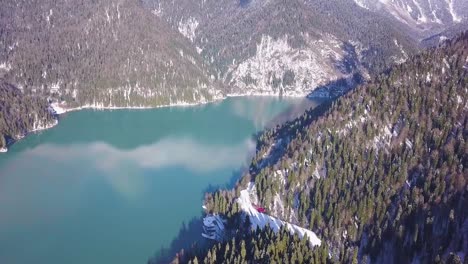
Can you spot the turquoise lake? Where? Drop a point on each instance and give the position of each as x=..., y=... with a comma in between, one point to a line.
x=117, y=186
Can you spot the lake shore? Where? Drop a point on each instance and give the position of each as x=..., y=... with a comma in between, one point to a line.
x=112, y=171
x=61, y=108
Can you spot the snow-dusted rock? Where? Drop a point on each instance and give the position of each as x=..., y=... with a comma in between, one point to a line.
x=278, y=68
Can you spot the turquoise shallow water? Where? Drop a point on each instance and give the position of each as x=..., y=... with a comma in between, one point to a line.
x=116, y=186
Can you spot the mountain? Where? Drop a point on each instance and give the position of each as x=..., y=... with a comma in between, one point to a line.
x=99, y=53
x=287, y=47
x=378, y=175
x=20, y=113
x=421, y=15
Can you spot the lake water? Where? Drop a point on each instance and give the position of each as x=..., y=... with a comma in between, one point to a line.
x=117, y=186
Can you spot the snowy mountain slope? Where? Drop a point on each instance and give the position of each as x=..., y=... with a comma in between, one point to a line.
x=423, y=14
x=377, y=174
x=284, y=47
x=261, y=220
x=214, y=224
x=385, y=130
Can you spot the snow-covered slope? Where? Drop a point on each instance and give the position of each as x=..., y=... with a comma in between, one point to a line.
x=261, y=220
x=420, y=12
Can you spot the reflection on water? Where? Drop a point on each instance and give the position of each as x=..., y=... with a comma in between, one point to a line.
x=114, y=186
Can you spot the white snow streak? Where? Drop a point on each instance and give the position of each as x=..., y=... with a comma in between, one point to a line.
x=261, y=220
x=188, y=28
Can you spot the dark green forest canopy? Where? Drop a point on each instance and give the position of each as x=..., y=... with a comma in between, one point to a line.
x=109, y=53
x=124, y=53
x=231, y=30
x=381, y=175
x=21, y=113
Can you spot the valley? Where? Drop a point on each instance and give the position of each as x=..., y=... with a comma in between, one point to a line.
x=233, y=131
x=120, y=184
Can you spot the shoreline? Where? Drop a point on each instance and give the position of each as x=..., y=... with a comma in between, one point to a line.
x=231, y=95
x=60, y=110
x=309, y=95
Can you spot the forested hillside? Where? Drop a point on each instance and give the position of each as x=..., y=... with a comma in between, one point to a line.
x=99, y=53
x=380, y=176
x=20, y=113
x=286, y=47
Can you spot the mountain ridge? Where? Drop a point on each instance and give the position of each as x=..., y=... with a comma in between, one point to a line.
x=306, y=47
x=381, y=180
x=68, y=53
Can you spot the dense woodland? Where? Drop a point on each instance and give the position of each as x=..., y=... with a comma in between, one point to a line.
x=380, y=176
x=20, y=114
x=227, y=40
x=266, y=246
x=106, y=53
x=133, y=53
x=125, y=53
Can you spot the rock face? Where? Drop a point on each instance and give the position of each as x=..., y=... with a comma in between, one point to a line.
x=279, y=68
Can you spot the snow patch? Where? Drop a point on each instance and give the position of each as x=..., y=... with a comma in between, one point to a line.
x=316, y=173
x=158, y=11
x=188, y=28
x=383, y=138
x=402, y=51
x=428, y=77
x=455, y=17
x=361, y=4
x=421, y=17
x=409, y=9
x=408, y=143
x=48, y=16
x=39, y=126
x=5, y=66
x=261, y=220
x=55, y=87
x=278, y=207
